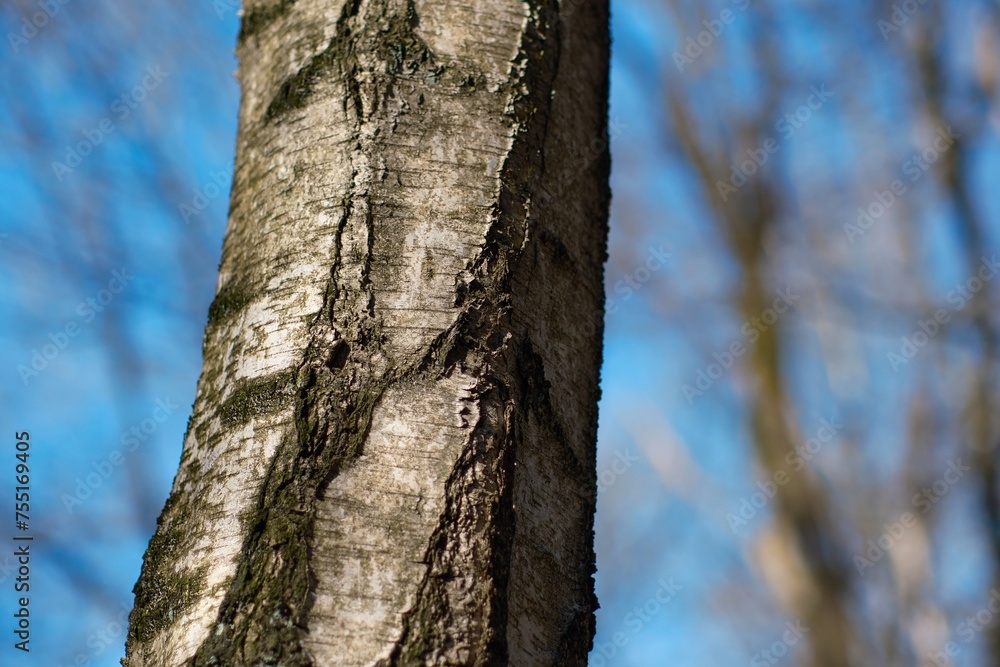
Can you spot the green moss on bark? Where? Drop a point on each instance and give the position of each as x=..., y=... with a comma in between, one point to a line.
x=257, y=397
x=261, y=16
x=162, y=593
x=230, y=301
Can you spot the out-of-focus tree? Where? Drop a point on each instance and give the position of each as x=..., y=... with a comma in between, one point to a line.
x=836, y=162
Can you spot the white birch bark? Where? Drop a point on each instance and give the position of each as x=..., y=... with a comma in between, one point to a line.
x=391, y=458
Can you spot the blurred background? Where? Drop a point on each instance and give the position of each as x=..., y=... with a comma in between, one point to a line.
x=799, y=425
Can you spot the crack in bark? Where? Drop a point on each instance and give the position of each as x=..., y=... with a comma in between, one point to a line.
x=263, y=618
x=482, y=479
x=385, y=35
x=479, y=492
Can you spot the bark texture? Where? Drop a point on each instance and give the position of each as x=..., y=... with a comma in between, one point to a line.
x=391, y=459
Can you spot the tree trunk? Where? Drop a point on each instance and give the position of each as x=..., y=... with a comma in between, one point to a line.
x=391, y=459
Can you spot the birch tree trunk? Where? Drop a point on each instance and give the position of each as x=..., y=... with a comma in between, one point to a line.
x=391, y=459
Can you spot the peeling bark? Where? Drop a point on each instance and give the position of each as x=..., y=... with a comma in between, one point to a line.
x=391, y=457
